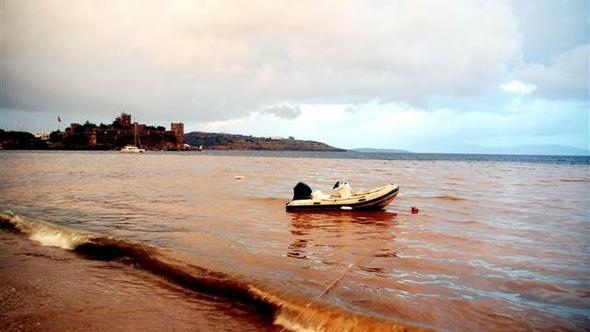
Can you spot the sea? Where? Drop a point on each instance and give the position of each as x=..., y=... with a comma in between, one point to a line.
x=201, y=241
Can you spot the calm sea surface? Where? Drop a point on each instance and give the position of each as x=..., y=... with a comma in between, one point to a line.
x=173, y=241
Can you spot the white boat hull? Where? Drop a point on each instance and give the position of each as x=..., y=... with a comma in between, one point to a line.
x=374, y=199
x=132, y=149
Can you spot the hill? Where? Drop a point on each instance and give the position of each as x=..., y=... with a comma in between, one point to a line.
x=223, y=141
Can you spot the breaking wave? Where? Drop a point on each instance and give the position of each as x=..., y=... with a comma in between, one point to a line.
x=43, y=232
x=291, y=311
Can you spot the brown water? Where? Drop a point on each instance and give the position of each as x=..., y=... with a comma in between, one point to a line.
x=173, y=241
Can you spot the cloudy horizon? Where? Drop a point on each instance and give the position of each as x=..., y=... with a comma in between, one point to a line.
x=424, y=76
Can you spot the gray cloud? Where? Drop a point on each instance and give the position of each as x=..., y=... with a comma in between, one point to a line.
x=284, y=111
x=204, y=61
x=550, y=27
x=565, y=78
x=353, y=109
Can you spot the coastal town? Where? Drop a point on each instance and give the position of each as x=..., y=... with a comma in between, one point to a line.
x=89, y=136
x=123, y=131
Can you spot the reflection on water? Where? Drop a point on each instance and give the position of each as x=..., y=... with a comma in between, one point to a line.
x=330, y=236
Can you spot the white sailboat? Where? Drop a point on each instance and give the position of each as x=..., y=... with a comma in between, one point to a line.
x=136, y=148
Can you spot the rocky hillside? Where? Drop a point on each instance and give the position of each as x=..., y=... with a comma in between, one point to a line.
x=220, y=141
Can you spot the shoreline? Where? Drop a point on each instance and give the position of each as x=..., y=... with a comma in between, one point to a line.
x=352, y=154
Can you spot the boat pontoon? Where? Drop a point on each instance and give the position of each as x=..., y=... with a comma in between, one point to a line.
x=374, y=199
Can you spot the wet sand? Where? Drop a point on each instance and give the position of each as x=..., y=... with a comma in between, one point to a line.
x=50, y=289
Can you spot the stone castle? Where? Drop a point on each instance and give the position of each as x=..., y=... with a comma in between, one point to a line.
x=120, y=133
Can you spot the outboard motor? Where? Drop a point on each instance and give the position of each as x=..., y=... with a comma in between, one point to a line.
x=301, y=191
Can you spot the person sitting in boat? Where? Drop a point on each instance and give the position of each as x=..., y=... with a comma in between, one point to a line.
x=341, y=190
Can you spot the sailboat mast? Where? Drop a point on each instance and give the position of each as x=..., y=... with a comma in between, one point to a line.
x=137, y=139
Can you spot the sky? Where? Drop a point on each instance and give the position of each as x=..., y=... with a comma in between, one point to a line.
x=424, y=76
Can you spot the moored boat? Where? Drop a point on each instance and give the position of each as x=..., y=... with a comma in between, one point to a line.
x=132, y=149
x=374, y=199
x=136, y=147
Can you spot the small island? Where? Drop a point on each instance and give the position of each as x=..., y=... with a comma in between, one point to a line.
x=122, y=131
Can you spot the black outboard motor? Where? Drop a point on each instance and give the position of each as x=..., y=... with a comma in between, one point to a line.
x=301, y=191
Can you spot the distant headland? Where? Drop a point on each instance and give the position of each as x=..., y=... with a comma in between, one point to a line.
x=122, y=131
x=223, y=141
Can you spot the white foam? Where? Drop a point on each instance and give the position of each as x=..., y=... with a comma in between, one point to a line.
x=46, y=233
x=290, y=325
x=57, y=239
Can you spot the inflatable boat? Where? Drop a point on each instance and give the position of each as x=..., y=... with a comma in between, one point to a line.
x=375, y=199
